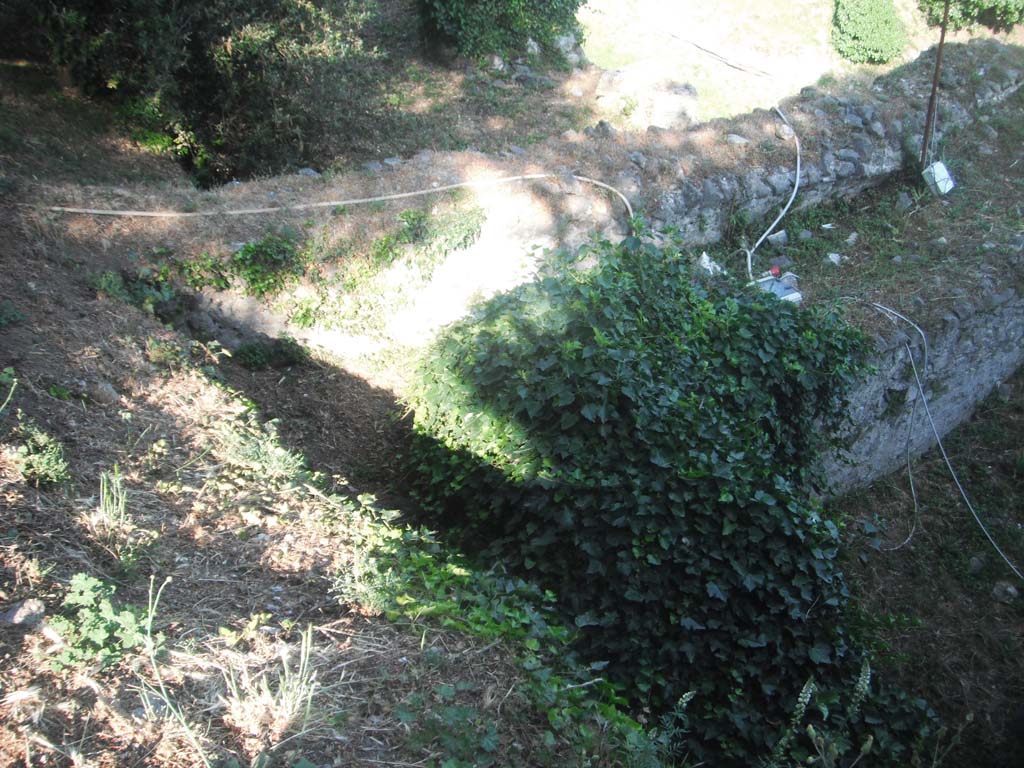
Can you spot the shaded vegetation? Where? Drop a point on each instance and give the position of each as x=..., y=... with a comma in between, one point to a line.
x=234, y=88
x=478, y=27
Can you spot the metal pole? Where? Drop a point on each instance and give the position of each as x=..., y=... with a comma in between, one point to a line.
x=930, y=120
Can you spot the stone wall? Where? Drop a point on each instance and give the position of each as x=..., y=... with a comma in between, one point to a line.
x=848, y=143
x=977, y=347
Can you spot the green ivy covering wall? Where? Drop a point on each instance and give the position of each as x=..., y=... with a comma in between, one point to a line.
x=644, y=444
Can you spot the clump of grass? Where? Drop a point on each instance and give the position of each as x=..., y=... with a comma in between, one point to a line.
x=111, y=524
x=270, y=706
x=254, y=447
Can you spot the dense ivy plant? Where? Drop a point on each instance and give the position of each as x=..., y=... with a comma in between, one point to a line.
x=644, y=445
x=480, y=27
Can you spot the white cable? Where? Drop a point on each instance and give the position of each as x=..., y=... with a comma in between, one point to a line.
x=792, y=197
x=891, y=313
x=938, y=440
x=336, y=203
x=956, y=479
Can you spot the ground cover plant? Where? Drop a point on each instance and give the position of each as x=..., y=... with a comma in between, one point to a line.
x=610, y=409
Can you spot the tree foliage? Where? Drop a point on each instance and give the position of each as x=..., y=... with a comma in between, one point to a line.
x=238, y=86
x=999, y=14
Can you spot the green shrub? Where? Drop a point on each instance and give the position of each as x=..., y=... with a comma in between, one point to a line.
x=480, y=27
x=145, y=289
x=868, y=31
x=644, y=446
x=238, y=86
x=999, y=14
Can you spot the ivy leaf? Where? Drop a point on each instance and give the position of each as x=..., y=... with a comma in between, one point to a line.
x=715, y=592
x=821, y=654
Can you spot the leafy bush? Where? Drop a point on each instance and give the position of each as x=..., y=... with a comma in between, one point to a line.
x=868, y=31
x=1000, y=14
x=239, y=86
x=644, y=446
x=480, y=27
x=147, y=290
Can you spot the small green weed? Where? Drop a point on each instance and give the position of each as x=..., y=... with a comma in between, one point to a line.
x=165, y=353
x=204, y=271
x=9, y=314
x=93, y=630
x=276, y=353
x=462, y=732
x=111, y=284
x=40, y=456
x=250, y=631
x=146, y=290
x=305, y=312
x=414, y=225
x=59, y=391
x=268, y=265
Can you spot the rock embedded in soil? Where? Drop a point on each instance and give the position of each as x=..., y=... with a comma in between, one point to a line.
x=103, y=392
x=27, y=613
x=1005, y=592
